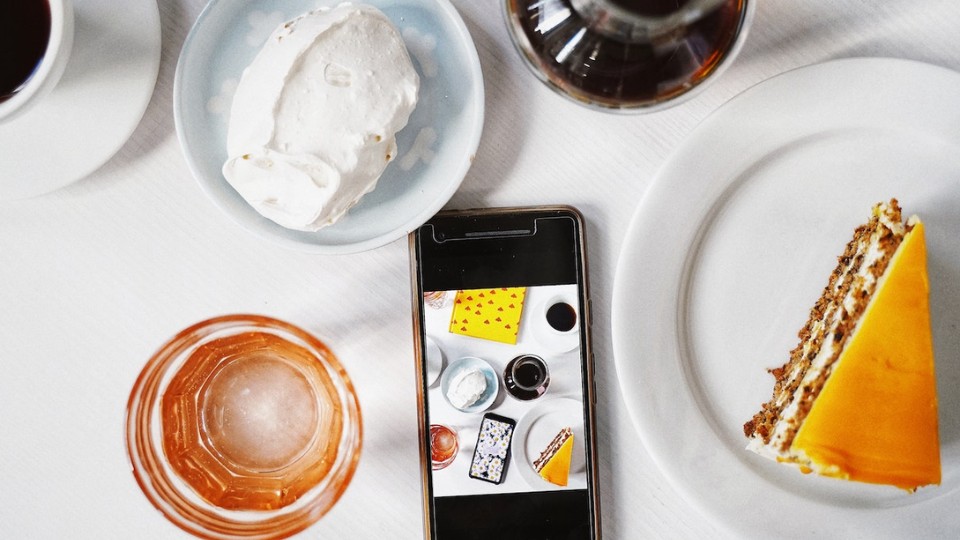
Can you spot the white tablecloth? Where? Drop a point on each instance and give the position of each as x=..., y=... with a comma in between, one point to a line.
x=96, y=276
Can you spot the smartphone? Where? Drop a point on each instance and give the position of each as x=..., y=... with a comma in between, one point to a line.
x=491, y=455
x=504, y=371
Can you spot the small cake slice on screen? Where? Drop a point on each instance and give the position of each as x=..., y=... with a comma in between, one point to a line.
x=553, y=465
x=857, y=400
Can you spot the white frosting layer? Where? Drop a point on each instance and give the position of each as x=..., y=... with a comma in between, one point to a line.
x=314, y=118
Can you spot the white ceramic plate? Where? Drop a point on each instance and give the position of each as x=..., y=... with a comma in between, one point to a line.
x=535, y=431
x=731, y=247
x=434, y=361
x=94, y=108
x=448, y=118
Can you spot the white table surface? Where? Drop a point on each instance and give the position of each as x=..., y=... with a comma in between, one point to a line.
x=96, y=276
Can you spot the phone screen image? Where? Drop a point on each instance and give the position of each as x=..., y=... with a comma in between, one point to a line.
x=504, y=380
x=492, y=452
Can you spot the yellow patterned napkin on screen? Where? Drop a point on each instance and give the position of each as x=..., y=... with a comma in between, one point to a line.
x=492, y=314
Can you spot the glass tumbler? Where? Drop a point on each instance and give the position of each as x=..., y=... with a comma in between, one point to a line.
x=444, y=446
x=243, y=426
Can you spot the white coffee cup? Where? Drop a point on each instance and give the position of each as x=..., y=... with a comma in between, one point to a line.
x=51, y=66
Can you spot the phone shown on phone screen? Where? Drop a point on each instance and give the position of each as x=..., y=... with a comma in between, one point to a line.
x=505, y=375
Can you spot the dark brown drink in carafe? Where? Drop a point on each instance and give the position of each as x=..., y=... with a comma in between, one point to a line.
x=587, y=61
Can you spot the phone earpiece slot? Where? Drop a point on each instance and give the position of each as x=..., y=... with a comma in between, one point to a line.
x=499, y=234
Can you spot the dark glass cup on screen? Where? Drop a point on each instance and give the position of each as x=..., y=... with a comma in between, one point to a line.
x=628, y=55
x=526, y=377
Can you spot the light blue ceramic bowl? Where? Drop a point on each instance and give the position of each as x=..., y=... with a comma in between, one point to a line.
x=227, y=36
x=463, y=364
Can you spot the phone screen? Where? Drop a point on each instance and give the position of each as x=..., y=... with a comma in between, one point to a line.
x=492, y=451
x=505, y=375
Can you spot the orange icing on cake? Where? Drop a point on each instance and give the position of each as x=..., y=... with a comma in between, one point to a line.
x=876, y=418
x=557, y=469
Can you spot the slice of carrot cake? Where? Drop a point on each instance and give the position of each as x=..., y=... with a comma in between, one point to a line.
x=857, y=399
x=553, y=465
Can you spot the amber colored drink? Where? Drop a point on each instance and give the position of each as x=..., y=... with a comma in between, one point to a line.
x=250, y=422
x=243, y=426
x=444, y=446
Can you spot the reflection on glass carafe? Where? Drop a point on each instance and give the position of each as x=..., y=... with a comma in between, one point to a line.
x=627, y=55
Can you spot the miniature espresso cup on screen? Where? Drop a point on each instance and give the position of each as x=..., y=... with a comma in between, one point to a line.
x=560, y=314
x=36, y=37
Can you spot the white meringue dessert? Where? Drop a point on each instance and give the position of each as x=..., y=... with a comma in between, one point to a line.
x=314, y=119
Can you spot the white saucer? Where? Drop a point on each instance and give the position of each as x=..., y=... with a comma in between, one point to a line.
x=94, y=108
x=435, y=149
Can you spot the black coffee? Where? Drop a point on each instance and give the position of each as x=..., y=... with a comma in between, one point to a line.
x=562, y=317
x=526, y=377
x=24, y=33
x=612, y=72
x=528, y=374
